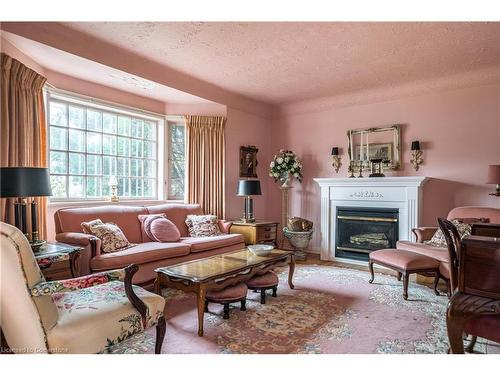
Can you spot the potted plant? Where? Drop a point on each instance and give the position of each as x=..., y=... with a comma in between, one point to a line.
x=284, y=166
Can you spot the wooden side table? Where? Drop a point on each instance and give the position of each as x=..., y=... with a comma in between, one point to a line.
x=256, y=232
x=58, y=260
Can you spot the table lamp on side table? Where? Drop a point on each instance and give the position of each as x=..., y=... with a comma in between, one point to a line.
x=494, y=178
x=247, y=188
x=23, y=183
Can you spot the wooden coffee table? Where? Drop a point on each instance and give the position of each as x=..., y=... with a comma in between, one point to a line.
x=220, y=271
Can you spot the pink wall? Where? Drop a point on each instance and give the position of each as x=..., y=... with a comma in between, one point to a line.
x=459, y=131
x=243, y=129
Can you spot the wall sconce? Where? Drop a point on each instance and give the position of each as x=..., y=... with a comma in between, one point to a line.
x=336, y=163
x=494, y=178
x=113, y=184
x=416, y=155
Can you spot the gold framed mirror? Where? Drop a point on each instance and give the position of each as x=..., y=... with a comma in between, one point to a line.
x=375, y=143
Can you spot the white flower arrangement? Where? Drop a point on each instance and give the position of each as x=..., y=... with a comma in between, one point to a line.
x=285, y=161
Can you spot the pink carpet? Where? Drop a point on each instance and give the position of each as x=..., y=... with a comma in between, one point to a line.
x=331, y=310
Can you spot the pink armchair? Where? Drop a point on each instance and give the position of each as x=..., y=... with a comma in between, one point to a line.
x=83, y=315
x=423, y=234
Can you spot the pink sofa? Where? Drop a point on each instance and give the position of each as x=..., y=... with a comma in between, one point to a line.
x=146, y=254
x=425, y=233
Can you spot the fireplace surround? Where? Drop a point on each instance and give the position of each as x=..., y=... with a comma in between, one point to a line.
x=397, y=194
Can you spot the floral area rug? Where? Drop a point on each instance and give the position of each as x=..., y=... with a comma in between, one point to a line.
x=331, y=310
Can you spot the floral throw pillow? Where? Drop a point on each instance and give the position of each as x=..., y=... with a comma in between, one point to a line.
x=438, y=239
x=111, y=236
x=202, y=225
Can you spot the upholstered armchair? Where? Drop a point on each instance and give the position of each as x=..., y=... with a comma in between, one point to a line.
x=88, y=314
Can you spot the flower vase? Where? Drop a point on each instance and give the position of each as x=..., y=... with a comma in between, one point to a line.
x=285, y=179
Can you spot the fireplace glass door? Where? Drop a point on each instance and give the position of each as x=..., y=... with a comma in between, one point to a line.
x=363, y=230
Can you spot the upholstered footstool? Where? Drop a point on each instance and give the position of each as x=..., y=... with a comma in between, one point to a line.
x=405, y=263
x=231, y=294
x=261, y=283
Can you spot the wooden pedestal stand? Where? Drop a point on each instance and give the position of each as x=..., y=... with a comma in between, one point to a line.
x=284, y=213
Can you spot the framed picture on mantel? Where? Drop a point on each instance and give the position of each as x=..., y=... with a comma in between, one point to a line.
x=248, y=161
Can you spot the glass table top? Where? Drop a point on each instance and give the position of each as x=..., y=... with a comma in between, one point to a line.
x=222, y=264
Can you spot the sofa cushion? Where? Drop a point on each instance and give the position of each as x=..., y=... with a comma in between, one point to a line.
x=111, y=236
x=139, y=254
x=69, y=219
x=208, y=243
x=158, y=228
x=202, y=225
x=439, y=253
x=177, y=213
x=438, y=240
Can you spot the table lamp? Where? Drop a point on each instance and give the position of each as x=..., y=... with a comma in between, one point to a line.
x=247, y=188
x=494, y=178
x=23, y=183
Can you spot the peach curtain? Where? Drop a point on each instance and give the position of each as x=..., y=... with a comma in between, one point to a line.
x=23, y=128
x=206, y=157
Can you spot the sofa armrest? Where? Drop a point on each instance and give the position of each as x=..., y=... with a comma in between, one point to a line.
x=60, y=286
x=224, y=226
x=424, y=233
x=82, y=239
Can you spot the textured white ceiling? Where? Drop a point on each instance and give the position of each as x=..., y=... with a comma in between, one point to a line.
x=279, y=62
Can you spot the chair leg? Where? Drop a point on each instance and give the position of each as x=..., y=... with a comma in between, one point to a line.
x=263, y=296
x=243, y=304
x=436, y=281
x=399, y=276
x=275, y=289
x=448, y=288
x=226, y=311
x=161, y=327
x=405, y=286
x=370, y=266
x=470, y=347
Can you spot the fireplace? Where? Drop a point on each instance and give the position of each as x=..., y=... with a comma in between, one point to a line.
x=361, y=230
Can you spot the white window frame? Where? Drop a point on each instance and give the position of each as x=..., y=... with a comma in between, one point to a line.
x=173, y=121
x=162, y=140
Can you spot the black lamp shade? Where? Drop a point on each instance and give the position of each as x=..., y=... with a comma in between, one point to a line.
x=415, y=145
x=22, y=182
x=335, y=150
x=248, y=187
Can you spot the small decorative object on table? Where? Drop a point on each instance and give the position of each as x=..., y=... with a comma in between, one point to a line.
x=299, y=232
x=376, y=168
x=336, y=163
x=260, y=250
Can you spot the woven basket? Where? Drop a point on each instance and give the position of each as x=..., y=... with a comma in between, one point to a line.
x=299, y=240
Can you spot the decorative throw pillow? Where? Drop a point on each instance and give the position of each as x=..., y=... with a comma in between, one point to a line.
x=159, y=228
x=145, y=220
x=111, y=236
x=86, y=225
x=202, y=225
x=438, y=239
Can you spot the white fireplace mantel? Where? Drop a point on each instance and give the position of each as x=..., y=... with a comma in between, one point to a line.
x=402, y=193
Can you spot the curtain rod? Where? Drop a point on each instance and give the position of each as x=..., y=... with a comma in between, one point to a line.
x=52, y=89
